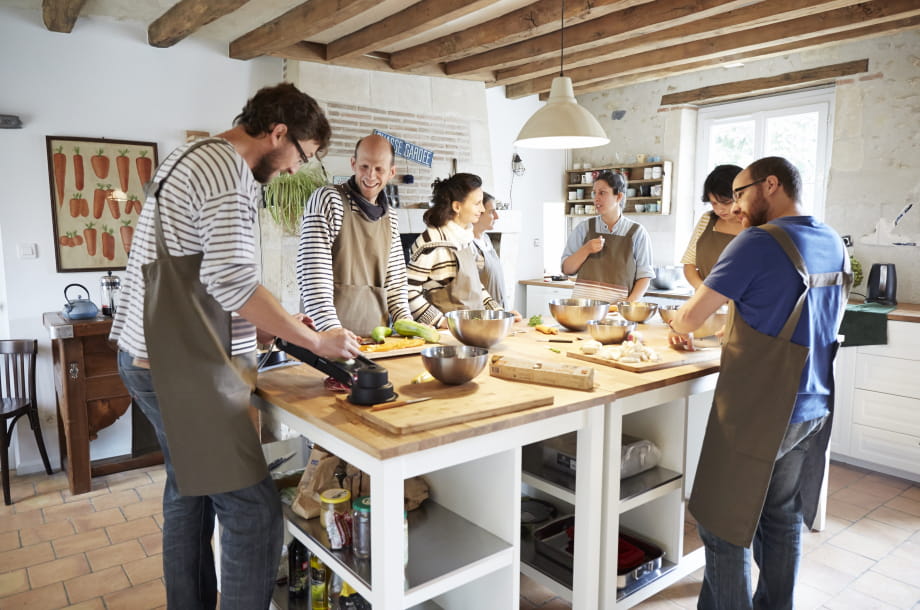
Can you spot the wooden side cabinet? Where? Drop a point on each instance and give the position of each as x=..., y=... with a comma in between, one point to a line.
x=90, y=397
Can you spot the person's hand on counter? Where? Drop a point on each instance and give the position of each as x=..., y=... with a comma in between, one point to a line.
x=682, y=341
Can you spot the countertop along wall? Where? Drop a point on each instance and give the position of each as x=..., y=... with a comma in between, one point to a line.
x=875, y=162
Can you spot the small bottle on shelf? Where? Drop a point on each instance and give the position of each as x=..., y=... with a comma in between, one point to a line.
x=319, y=584
x=298, y=569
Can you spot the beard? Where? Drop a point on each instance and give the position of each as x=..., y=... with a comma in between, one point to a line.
x=267, y=166
x=757, y=214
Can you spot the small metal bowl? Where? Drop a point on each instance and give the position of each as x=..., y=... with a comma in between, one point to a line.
x=637, y=311
x=667, y=312
x=454, y=364
x=479, y=327
x=610, y=330
x=710, y=325
x=574, y=314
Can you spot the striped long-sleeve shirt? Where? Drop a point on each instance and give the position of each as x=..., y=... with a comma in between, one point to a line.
x=319, y=228
x=433, y=265
x=209, y=204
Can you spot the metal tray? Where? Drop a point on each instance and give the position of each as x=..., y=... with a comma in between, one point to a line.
x=651, y=563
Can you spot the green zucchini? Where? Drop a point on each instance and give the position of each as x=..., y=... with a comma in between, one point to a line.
x=380, y=332
x=411, y=328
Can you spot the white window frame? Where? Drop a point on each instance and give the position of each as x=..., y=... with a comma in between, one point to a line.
x=759, y=110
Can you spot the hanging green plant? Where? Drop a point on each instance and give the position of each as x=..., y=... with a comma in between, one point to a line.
x=286, y=194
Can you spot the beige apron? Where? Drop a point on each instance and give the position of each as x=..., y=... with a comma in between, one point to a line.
x=607, y=275
x=202, y=395
x=491, y=273
x=759, y=378
x=465, y=290
x=709, y=246
x=360, y=254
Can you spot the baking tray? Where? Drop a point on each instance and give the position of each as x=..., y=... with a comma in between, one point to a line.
x=649, y=567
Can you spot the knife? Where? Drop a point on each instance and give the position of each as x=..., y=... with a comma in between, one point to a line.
x=397, y=403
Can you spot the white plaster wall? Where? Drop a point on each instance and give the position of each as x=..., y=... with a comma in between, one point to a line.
x=102, y=80
x=875, y=157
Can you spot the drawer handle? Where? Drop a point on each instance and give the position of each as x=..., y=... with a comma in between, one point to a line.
x=73, y=370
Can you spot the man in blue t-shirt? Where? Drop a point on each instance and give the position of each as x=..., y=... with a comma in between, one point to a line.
x=762, y=462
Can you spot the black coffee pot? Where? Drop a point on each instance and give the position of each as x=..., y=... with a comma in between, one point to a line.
x=883, y=284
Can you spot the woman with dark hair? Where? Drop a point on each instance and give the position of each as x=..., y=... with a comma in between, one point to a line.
x=715, y=228
x=611, y=254
x=443, y=272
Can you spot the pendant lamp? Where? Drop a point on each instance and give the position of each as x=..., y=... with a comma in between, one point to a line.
x=561, y=123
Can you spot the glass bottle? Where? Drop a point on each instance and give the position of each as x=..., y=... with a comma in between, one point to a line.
x=335, y=517
x=298, y=569
x=319, y=583
x=361, y=527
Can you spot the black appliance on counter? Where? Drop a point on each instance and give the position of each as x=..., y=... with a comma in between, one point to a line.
x=883, y=284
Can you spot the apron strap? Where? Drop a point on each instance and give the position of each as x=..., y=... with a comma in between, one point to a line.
x=788, y=246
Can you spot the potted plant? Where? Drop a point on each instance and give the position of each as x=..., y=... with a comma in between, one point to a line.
x=286, y=195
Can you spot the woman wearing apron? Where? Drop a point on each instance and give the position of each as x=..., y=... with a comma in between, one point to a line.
x=443, y=272
x=490, y=268
x=715, y=228
x=611, y=254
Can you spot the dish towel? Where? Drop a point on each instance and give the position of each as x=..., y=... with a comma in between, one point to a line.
x=865, y=324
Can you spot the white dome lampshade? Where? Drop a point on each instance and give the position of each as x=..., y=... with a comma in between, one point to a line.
x=561, y=123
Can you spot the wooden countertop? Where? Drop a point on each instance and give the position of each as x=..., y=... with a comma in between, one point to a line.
x=906, y=312
x=299, y=390
x=679, y=293
x=60, y=327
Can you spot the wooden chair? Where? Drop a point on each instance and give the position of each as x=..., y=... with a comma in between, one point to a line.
x=17, y=390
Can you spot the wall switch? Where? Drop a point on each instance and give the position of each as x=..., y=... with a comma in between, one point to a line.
x=26, y=251
x=847, y=241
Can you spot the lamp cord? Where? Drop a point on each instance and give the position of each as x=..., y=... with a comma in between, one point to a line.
x=561, y=37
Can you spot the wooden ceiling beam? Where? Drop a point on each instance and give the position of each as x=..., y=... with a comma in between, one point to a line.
x=61, y=15
x=413, y=20
x=840, y=20
x=725, y=24
x=532, y=20
x=887, y=28
x=297, y=24
x=789, y=80
x=187, y=17
x=629, y=23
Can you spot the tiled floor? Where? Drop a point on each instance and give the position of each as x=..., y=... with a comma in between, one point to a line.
x=103, y=550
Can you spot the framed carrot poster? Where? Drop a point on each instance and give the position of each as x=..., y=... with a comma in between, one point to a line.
x=97, y=190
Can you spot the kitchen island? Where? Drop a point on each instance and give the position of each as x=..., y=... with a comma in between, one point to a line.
x=465, y=548
x=538, y=292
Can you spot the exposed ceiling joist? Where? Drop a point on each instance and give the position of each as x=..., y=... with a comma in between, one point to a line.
x=186, y=17
x=61, y=15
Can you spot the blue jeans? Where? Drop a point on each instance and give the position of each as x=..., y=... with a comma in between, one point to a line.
x=252, y=528
x=777, y=541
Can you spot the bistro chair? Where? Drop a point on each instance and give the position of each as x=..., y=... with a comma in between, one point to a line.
x=17, y=390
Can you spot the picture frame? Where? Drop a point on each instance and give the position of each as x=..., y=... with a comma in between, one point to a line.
x=97, y=193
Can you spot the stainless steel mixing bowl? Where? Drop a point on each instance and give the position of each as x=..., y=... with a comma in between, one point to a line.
x=637, y=311
x=575, y=314
x=454, y=364
x=610, y=330
x=479, y=327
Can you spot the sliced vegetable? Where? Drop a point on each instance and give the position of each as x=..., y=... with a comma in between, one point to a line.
x=546, y=330
x=411, y=328
x=535, y=320
x=381, y=332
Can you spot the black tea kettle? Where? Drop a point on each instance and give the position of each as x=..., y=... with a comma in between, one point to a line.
x=79, y=308
x=883, y=284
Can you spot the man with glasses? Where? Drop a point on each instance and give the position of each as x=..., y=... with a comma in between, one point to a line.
x=186, y=331
x=760, y=471
x=350, y=265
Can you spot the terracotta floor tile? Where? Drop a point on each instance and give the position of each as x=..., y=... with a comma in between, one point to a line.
x=132, y=529
x=535, y=592
x=853, y=600
x=56, y=482
x=863, y=499
x=154, y=491
x=13, y=582
x=871, y=539
x=67, y=511
x=96, y=584
x=159, y=520
x=58, y=570
x=902, y=564
x=845, y=510
x=912, y=493
x=51, y=597
x=888, y=590
x=905, y=504
x=128, y=479
x=896, y=518
x=879, y=483
x=26, y=556
x=97, y=488
x=840, y=559
x=840, y=475
x=38, y=501
x=144, y=508
x=99, y=519
x=152, y=543
x=114, y=555
x=823, y=577
x=13, y=522
x=80, y=543
x=115, y=499
x=46, y=532
x=143, y=570
x=19, y=491
x=91, y=604
x=9, y=541
x=150, y=594
x=809, y=598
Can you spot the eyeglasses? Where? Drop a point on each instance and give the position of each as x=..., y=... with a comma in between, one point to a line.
x=736, y=193
x=304, y=159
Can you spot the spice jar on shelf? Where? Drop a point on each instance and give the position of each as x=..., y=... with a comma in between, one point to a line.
x=361, y=526
x=335, y=517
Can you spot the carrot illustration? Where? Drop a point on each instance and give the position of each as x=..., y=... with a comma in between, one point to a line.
x=75, y=206
x=113, y=202
x=133, y=203
x=100, y=164
x=64, y=240
x=59, y=163
x=127, y=234
x=144, y=167
x=75, y=239
x=77, y=168
x=122, y=164
x=108, y=243
x=89, y=233
x=99, y=200
x=84, y=206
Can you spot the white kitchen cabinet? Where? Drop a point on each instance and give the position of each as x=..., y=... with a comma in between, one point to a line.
x=877, y=416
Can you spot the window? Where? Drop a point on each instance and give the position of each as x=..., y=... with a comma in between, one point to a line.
x=795, y=126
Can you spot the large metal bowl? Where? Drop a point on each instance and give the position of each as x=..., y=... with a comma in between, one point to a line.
x=710, y=325
x=479, y=327
x=454, y=364
x=575, y=314
x=637, y=311
x=610, y=330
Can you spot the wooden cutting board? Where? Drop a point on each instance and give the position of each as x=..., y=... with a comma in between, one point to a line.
x=450, y=405
x=446, y=339
x=669, y=358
